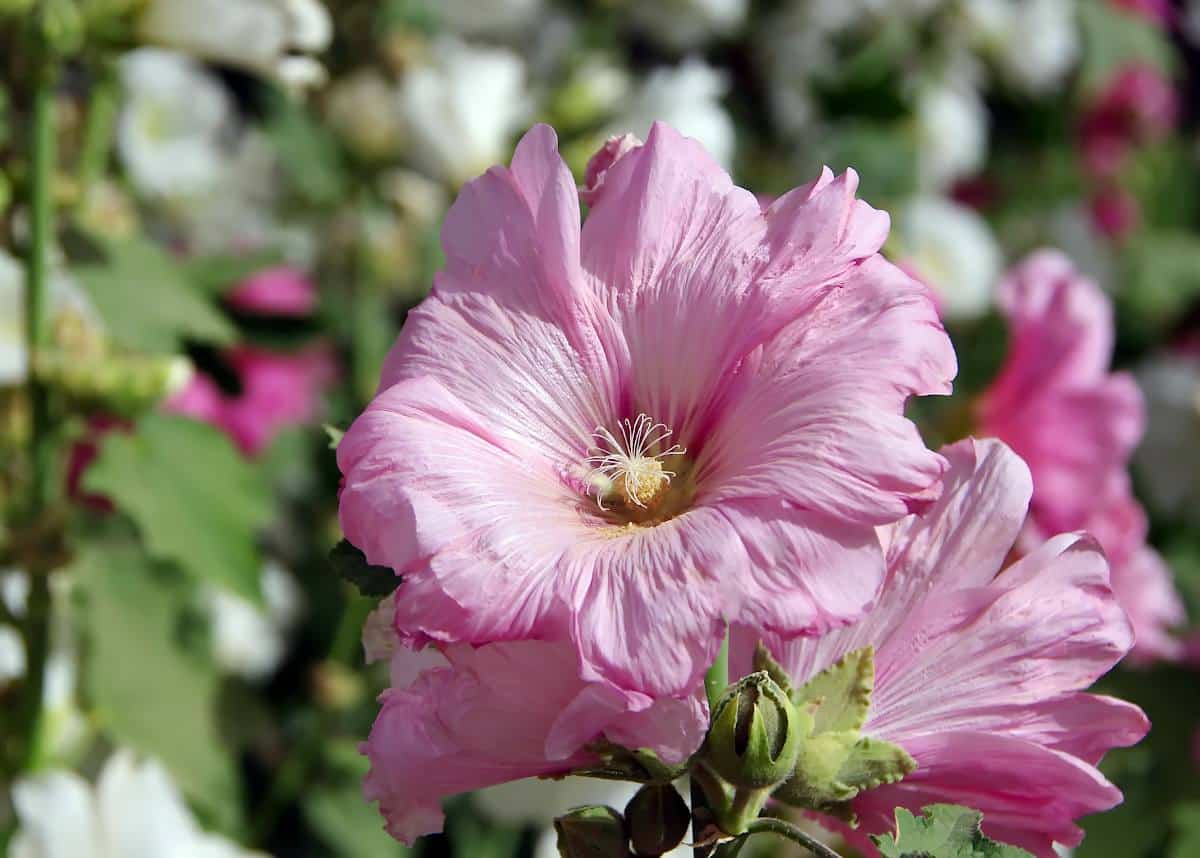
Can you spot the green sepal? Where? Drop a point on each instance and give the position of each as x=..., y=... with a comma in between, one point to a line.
x=839, y=697
x=640, y=765
x=764, y=661
x=943, y=831
x=835, y=767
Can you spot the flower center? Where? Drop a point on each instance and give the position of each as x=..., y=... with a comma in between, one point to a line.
x=628, y=469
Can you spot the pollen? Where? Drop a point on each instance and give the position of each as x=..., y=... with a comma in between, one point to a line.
x=629, y=468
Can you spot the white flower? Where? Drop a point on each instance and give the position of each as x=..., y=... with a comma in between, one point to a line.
x=687, y=97
x=489, y=18
x=1169, y=456
x=362, y=109
x=270, y=37
x=463, y=106
x=685, y=24
x=174, y=127
x=250, y=641
x=67, y=304
x=952, y=129
x=134, y=811
x=1034, y=42
x=952, y=250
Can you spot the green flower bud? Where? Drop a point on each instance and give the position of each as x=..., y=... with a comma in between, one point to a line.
x=755, y=736
x=592, y=832
x=658, y=818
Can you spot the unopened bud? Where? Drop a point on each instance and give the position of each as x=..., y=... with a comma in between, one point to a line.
x=592, y=832
x=657, y=818
x=755, y=738
x=61, y=26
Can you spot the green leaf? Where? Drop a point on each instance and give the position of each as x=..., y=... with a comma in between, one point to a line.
x=218, y=273
x=1186, y=822
x=308, y=153
x=944, y=831
x=350, y=826
x=147, y=302
x=839, y=697
x=146, y=689
x=351, y=564
x=193, y=497
x=1112, y=37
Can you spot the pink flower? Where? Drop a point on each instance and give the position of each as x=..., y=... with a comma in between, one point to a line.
x=1055, y=402
x=613, y=150
x=687, y=411
x=1115, y=212
x=1076, y=425
x=278, y=291
x=980, y=676
x=499, y=713
x=1157, y=12
x=277, y=391
x=1138, y=104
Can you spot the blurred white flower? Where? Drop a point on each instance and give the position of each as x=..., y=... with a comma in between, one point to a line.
x=417, y=197
x=952, y=132
x=273, y=38
x=686, y=24
x=134, y=811
x=688, y=97
x=952, y=250
x=175, y=125
x=362, y=109
x=1168, y=459
x=489, y=18
x=248, y=640
x=1034, y=42
x=67, y=304
x=463, y=106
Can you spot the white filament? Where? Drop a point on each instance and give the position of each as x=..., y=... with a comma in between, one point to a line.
x=630, y=461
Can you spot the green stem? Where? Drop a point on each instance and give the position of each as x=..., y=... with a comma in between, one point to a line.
x=103, y=103
x=36, y=627
x=293, y=773
x=771, y=825
x=717, y=677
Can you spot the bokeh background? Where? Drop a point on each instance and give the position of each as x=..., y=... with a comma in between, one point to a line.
x=248, y=195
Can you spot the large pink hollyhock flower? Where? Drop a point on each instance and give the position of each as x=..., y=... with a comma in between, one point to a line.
x=278, y=291
x=1076, y=424
x=1055, y=402
x=499, y=713
x=980, y=676
x=690, y=409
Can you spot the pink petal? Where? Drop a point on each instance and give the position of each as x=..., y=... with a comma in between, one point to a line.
x=278, y=291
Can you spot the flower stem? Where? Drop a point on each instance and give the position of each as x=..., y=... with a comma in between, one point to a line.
x=783, y=828
x=717, y=677
x=36, y=627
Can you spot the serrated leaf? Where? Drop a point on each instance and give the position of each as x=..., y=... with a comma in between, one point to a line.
x=146, y=301
x=352, y=565
x=943, y=831
x=835, y=766
x=146, y=689
x=195, y=500
x=839, y=697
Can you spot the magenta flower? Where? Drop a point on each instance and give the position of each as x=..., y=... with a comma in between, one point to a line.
x=278, y=390
x=278, y=291
x=980, y=676
x=687, y=411
x=499, y=713
x=1076, y=424
x=1137, y=105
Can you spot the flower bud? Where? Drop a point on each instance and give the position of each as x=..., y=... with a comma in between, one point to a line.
x=754, y=738
x=592, y=832
x=657, y=818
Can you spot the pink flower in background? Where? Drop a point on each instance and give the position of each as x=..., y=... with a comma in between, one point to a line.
x=277, y=390
x=278, y=291
x=1076, y=424
x=1157, y=12
x=980, y=676
x=499, y=713
x=1139, y=104
x=613, y=150
x=1115, y=212
x=692, y=409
